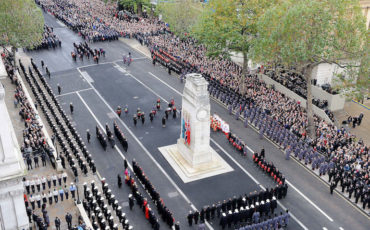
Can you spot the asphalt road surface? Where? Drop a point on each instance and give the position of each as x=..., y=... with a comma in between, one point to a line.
x=97, y=89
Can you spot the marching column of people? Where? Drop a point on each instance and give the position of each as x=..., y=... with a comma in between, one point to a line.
x=258, y=158
x=37, y=197
x=49, y=40
x=269, y=168
x=101, y=137
x=82, y=50
x=120, y=136
x=277, y=222
x=292, y=140
x=100, y=214
x=60, y=124
x=282, y=119
x=238, y=211
x=141, y=201
x=155, y=196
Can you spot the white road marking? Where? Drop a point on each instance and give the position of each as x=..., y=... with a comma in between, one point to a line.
x=324, y=228
x=61, y=23
x=140, y=144
x=340, y=228
x=97, y=173
x=290, y=184
x=309, y=201
x=292, y=215
x=125, y=204
x=119, y=68
x=134, y=47
x=65, y=94
x=166, y=84
x=87, y=77
x=100, y=63
x=102, y=128
x=257, y=182
x=111, y=115
x=173, y=194
x=140, y=58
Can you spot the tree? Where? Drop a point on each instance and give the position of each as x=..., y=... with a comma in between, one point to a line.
x=181, y=15
x=306, y=33
x=354, y=83
x=230, y=25
x=21, y=23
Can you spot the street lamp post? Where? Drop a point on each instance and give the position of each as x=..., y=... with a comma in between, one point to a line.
x=55, y=145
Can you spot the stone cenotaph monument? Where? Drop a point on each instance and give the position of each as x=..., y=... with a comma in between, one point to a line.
x=192, y=157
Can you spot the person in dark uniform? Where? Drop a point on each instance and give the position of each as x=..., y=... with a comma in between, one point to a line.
x=332, y=187
x=208, y=213
x=169, y=68
x=131, y=201
x=174, y=112
x=125, y=163
x=177, y=226
x=142, y=118
x=124, y=144
x=69, y=220
x=42, y=64
x=29, y=214
x=71, y=107
x=153, y=59
x=196, y=217
x=57, y=223
x=190, y=218
x=151, y=116
x=135, y=120
x=202, y=214
x=59, y=89
x=111, y=141
x=167, y=112
x=47, y=71
x=156, y=225
x=223, y=220
x=88, y=135
x=164, y=122
x=119, y=181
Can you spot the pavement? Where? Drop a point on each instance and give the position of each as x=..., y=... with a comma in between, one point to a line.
x=54, y=210
x=354, y=109
x=96, y=90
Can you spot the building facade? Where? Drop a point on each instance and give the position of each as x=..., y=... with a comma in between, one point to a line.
x=13, y=214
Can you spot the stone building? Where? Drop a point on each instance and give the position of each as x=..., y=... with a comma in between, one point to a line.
x=13, y=214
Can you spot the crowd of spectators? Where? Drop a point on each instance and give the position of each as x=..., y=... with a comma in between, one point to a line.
x=40, y=192
x=296, y=83
x=80, y=17
x=94, y=19
x=155, y=196
x=49, y=40
x=34, y=141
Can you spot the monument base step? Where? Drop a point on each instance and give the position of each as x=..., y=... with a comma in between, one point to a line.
x=187, y=172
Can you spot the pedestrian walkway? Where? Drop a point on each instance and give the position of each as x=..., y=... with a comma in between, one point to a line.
x=354, y=109
x=54, y=210
x=61, y=208
x=137, y=46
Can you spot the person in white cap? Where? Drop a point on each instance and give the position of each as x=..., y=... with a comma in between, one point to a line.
x=72, y=188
